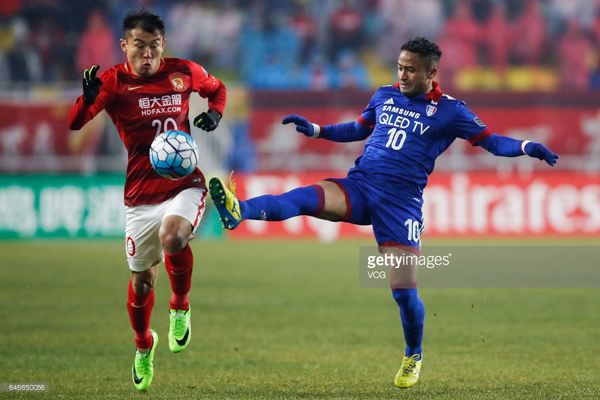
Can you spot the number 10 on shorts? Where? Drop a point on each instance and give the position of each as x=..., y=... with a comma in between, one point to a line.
x=413, y=229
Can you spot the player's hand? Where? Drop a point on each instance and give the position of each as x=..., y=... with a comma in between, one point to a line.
x=91, y=85
x=302, y=125
x=538, y=150
x=208, y=120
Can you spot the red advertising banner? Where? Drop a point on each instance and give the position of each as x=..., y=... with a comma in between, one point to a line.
x=40, y=129
x=456, y=204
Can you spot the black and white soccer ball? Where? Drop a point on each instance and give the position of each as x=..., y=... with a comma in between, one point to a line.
x=174, y=154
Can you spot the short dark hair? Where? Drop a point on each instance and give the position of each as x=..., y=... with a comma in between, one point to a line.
x=145, y=19
x=428, y=51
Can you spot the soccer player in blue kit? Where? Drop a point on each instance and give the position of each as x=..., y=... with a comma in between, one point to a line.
x=408, y=125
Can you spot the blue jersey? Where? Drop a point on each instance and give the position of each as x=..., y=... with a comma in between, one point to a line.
x=408, y=135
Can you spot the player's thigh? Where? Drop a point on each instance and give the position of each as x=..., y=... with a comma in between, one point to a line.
x=183, y=213
x=345, y=200
x=142, y=243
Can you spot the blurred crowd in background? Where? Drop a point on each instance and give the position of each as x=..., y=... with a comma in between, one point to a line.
x=541, y=45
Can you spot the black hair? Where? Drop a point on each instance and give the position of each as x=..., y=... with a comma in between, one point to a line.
x=428, y=51
x=145, y=19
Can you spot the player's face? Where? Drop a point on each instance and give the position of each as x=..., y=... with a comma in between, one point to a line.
x=414, y=75
x=144, y=50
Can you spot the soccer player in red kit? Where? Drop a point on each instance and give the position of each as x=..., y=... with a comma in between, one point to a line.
x=144, y=97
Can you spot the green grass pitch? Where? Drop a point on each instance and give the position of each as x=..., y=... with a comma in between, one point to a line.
x=283, y=320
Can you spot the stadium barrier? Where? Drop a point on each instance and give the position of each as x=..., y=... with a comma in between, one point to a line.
x=456, y=204
x=71, y=206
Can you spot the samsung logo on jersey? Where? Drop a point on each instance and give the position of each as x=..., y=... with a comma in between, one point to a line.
x=402, y=111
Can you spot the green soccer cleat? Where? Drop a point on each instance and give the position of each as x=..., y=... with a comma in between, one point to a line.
x=180, y=329
x=408, y=375
x=143, y=366
x=227, y=204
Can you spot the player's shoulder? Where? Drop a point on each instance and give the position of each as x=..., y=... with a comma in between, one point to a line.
x=385, y=92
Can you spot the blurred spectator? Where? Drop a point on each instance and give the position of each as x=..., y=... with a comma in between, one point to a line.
x=268, y=42
x=529, y=34
x=395, y=29
x=350, y=72
x=318, y=74
x=181, y=25
x=498, y=37
x=306, y=28
x=457, y=55
x=22, y=57
x=229, y=21
x=272, y=75
x=9, y=8
x=425, y=18
x=575, y=50
x=97, y=44
x=346, y=29
x=463, y=27
x=192, y=25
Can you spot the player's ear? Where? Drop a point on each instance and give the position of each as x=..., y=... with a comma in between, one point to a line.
x=432, y=73
x=123, y=44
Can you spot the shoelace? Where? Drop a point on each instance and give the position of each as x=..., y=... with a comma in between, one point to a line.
x=180, y=324
x=143, y=365
x=232, y=184
x=409, y=366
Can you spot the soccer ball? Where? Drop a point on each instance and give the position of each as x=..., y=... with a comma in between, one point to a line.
x=174, y=154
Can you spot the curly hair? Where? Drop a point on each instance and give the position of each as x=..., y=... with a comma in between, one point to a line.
x=428, y=51
x=145, y=19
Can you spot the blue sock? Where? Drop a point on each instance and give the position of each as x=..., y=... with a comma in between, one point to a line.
x=308, y=200
x=412, y=313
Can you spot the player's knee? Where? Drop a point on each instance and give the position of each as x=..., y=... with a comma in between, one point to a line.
x=172, y=242
x=143, y=283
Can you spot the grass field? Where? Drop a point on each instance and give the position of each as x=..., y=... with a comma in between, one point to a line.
x=283, y=320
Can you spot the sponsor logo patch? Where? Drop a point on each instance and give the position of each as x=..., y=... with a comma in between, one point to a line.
x=478, y=121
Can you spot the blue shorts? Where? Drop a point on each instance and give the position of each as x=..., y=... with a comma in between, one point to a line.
x=396, y=222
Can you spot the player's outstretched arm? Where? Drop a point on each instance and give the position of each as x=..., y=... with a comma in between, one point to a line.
x=348, y=132
x=509, y=147
x=208, y=120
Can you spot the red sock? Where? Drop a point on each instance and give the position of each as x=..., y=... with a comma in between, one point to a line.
x=140, y=309
x=179, y=267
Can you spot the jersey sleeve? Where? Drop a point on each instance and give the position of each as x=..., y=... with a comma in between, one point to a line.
x=209, y=87
x=368, y=117
x=82, y=113
x=468, y=126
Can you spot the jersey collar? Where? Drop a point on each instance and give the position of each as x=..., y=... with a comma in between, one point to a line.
x=435, y=94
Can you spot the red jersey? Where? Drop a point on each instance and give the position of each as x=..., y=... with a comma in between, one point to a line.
x=141, y=108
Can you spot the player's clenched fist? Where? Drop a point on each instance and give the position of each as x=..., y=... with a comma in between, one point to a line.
x=208, y=120
x=302, y=125
x=91, y=85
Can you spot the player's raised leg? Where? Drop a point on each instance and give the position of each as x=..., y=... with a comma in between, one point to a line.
x=324, y=200
x=139, y=304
